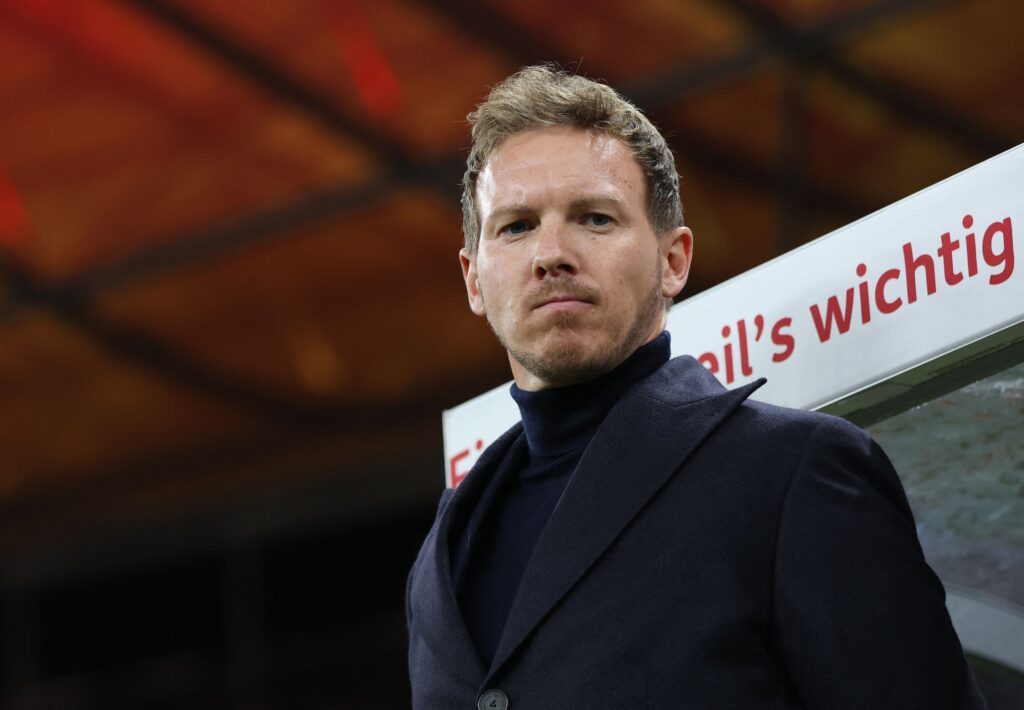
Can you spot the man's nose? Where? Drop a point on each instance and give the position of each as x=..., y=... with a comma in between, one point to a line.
x=553, y=255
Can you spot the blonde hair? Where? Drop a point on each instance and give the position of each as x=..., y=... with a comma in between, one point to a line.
x=541, y=96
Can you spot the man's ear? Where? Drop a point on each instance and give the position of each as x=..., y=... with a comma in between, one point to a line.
x=476, y=301
x=676, y=255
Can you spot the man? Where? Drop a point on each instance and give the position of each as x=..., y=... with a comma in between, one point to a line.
x=646, y=538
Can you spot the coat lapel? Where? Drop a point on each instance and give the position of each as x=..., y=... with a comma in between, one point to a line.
x=436, y=578
x=627, y=462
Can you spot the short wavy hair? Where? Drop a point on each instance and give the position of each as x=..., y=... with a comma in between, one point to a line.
x=544, y=95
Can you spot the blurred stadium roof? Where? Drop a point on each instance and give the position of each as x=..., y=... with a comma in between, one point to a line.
x=228, y=230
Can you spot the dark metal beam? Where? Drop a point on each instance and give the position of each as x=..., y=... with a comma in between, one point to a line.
x=669, y=86
x=226, y=237
x=280, y=408
x=264, y=73
x=900, y=100
x=138, y=347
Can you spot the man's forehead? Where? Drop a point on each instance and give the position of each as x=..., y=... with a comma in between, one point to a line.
x=566, y=158
x=539, y=142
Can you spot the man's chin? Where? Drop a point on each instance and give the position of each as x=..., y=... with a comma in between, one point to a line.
x=565, y=361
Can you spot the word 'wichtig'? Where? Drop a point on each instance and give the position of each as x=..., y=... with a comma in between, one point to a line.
x=954, y=261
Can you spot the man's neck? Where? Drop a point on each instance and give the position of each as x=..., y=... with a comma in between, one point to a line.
x=565, y=418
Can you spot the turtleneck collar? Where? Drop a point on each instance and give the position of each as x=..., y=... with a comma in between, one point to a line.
x=564, y=419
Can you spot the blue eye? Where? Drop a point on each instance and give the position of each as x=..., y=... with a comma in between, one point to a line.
x=517, y=227
x=597, y=219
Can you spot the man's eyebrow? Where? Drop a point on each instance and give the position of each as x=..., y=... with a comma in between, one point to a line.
x=506, y=210
x=498, y=216
x=597, y=200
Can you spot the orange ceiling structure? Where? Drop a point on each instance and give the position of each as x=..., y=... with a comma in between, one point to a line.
x=228, y=230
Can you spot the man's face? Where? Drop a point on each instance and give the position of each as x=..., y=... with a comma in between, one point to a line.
x=568, y=272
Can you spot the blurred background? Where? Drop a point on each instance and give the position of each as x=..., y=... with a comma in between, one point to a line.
x=231, y=310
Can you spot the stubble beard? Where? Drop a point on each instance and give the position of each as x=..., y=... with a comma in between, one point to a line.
x=571, y=361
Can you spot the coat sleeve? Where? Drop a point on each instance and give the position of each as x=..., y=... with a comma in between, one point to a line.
x=860, y=617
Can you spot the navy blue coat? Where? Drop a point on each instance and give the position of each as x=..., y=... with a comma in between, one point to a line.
x=709, y=552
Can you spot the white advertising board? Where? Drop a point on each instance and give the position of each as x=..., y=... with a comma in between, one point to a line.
x=863, y=309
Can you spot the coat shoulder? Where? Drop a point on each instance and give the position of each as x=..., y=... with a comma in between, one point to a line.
x=776, y=421
x=776, y=433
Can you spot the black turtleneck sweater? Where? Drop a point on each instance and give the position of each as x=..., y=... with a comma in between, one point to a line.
x=491, y=552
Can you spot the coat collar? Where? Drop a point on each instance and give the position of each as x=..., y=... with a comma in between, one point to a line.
x=680, y=403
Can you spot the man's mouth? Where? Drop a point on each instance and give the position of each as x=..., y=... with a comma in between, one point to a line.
x=562, y=303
